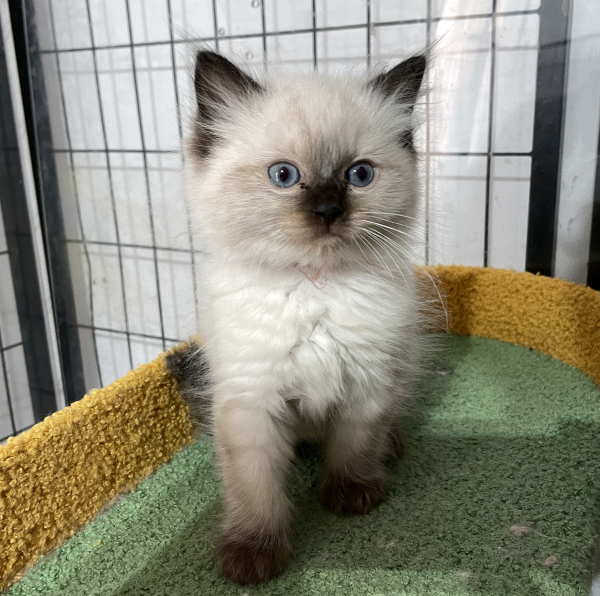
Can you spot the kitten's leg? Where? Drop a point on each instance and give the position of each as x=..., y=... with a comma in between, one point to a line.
x=354, y=475
x=255, y=452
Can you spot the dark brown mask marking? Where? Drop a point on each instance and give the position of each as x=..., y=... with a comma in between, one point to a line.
x=326, y=200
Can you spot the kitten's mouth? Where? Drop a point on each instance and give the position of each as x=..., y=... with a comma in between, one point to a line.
x=323, y=245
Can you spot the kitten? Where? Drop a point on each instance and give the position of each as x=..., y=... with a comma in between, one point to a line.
x=304, y=190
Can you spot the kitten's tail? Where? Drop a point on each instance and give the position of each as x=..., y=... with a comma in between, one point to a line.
x=188, y=364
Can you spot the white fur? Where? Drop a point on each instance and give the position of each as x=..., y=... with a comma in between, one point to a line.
x=273, y=335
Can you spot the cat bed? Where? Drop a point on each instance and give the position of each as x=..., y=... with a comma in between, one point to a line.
x=498, y=492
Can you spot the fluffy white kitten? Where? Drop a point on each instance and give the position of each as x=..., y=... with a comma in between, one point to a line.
x=305, y=193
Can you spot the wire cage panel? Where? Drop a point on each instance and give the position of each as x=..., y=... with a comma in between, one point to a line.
x=110, y=87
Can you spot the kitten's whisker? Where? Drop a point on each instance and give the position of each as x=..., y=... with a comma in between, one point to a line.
x=442, y=303
x=392, y=229
x=437, y=289
x=377, y=255
x=398, y=268
x=374, y=236
x=411, y=236
x=395, y=245
x=380, y=243
x=360, y=248
x=409, y=227
x=393, y=214
x=391, y=222
x=381, y=259
x=396, y=248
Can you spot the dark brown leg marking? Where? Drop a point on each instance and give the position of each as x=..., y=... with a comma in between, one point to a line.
x=347, y=494
x=252, y=560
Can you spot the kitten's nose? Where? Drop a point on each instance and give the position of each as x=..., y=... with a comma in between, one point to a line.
x=329, y=212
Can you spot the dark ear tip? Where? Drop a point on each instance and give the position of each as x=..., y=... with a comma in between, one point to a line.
x=203, y=54
x=403, y=81
x=208, y=57
x=421, y=60
x=415, y=65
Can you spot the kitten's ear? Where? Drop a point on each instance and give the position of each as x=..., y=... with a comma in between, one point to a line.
x=218, y=84
x=216, y=79
x=403, y=81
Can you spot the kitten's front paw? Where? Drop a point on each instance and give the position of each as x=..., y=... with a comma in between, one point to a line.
x=342, y=494
x=252, y=560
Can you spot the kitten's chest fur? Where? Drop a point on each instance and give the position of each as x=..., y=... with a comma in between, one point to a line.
x=319, y=342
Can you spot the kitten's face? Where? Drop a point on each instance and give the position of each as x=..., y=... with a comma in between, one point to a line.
x=304, y=170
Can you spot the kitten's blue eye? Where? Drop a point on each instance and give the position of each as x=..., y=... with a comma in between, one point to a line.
x=284, y=174
x=360, y=174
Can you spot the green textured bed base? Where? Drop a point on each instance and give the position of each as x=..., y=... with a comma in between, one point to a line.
x=498, y=493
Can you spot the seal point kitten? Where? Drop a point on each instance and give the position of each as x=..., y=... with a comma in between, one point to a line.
x=304, y=190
